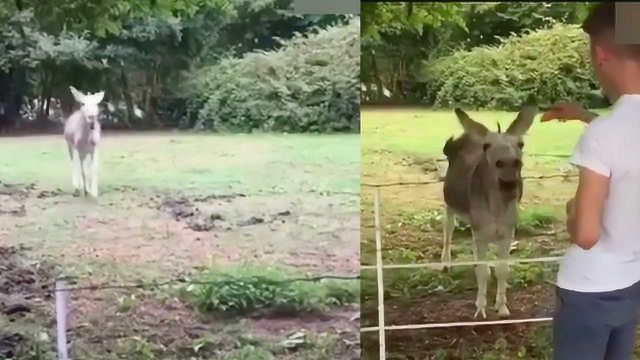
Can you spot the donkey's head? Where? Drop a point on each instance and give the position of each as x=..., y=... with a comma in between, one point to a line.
x=89, y=104
x=501, y=150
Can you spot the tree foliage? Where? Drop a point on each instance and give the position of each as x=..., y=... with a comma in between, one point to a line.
x=394, y=18
x=105, y=17
x=395, y=45
x=309, y=85
x=138, y=51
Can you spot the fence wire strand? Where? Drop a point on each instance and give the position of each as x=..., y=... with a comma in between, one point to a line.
x=431, y=182
x=49, y=288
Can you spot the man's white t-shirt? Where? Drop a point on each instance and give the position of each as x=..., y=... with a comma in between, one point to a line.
x=610, y=146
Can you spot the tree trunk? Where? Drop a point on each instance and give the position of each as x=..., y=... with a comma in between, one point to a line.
x=43, y=115
x=376, y=76
x=128, y=100
x=47, y=106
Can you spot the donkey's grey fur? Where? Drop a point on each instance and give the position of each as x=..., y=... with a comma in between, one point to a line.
x=82, y=132
x=483, y=186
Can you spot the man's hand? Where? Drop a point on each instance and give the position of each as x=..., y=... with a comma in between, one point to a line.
x=564, y=111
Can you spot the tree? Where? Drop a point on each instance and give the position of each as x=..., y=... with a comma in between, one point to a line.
x=390, y=33
x=403, y=35
x=57, y=43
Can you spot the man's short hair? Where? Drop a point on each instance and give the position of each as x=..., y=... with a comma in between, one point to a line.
x=600, y=24
x=601, y=19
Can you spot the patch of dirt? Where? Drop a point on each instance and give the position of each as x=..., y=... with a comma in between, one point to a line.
x=428, y=165
x=13, y=197
x=340, y=321
x=99, y=323
x=457, y=342
x=22, y=286
x=174, y=233
x=183, y=209
x=207, y=219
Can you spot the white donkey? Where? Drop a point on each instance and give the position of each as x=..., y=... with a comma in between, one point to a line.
x=483, y=186
x=82, y=133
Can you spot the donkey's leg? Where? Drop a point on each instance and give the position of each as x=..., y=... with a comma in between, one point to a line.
x=483, y=274
x=86, y=169
x=502, y=275
x=94, y=174
x=76, y=172
x=448, y=225
x=83, y=158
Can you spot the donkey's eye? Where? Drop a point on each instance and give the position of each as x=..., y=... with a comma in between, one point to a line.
x=486, y=146
x=520, y=144
x=499, y=163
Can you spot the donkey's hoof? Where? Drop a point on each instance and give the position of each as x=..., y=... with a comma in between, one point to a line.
x=503, y=311
x=481, y=311
x=76, y=193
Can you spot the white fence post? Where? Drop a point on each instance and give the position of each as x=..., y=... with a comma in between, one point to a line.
x=61, y=319
x=379, y=281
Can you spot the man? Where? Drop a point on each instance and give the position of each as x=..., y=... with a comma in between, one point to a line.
x=599, y=277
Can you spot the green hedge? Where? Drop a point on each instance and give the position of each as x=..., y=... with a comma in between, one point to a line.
x=308, y=85
x=544, y=66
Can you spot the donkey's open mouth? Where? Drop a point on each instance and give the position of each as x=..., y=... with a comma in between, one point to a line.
x=508, y=185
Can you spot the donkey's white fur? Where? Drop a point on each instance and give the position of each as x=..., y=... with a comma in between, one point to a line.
x=82, y=133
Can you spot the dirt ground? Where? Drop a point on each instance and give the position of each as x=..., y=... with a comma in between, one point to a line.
x=130, y=234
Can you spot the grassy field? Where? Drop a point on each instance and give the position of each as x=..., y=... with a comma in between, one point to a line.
x=192, y=205
x=406, y=145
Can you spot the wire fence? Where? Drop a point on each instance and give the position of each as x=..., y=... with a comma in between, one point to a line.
x=61, y=291
x=379, y=266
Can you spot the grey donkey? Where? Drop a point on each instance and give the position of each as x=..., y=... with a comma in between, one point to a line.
x=483, y=187
x=82, y=133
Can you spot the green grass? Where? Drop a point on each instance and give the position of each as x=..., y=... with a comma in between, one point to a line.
x=416, y=132
x=190, y=162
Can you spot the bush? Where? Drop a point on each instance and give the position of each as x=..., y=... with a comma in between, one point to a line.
x=309, y=85
x=544, y=66
x=249, y=289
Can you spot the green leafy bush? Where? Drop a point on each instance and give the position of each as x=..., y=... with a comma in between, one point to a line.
x=543, y=66
x=246, y=289
x=309, y=85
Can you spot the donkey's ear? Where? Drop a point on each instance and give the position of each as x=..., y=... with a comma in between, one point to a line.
x=523, y=121
x=77, y=94
x=97, y=97
x=469, y=125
